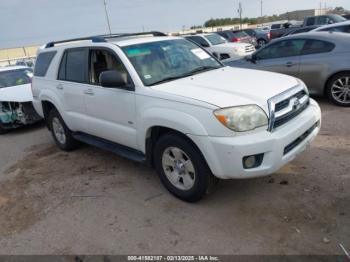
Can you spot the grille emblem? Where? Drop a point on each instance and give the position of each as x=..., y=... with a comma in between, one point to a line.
x=296, y=103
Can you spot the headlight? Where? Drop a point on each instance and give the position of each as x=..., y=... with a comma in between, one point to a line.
x=242, y=118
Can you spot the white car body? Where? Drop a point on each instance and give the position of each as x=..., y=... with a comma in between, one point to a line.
x=185, y=105
x=16, y=107
x=227, y=51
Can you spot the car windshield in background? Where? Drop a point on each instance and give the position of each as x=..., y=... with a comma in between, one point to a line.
x=15, y=77
x=215, y=39
x=337, y=18
x=163, y=61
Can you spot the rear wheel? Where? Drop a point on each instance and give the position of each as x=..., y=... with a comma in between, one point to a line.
x=338, y=89
x=261, y=43
x=60, y=132
x=182, y=168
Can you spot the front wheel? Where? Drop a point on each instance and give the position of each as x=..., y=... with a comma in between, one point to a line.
x=182, y=168
x=338, y=89
x=60, y=132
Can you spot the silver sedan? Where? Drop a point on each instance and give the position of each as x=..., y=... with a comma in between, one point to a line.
x=320, y=59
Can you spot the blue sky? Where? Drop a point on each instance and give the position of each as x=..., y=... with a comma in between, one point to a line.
x=25, y=22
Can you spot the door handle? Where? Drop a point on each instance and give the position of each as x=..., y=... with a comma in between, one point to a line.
x=59, y=86
x=289, y=64
x=89, y=92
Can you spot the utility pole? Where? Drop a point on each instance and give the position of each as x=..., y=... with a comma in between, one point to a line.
x=261, y=14
x=107, y=17
x=240, y=14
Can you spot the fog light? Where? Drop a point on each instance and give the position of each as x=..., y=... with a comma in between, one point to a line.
x=253, y=161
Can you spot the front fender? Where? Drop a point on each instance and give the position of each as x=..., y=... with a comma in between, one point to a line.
x=169, y=118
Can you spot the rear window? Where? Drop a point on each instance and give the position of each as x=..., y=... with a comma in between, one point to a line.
x=317, y=47
x=239, y=34
x=43, y=62
x=276, y=26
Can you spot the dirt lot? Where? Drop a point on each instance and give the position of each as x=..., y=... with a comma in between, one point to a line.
x=93, y=202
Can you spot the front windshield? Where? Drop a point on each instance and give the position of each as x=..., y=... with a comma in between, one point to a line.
x=215, y=39
x=337, y=18
x=162, y=61
x=15, y=77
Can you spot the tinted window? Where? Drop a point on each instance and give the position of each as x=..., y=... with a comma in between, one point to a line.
x=43, y=62
x=323, y=20
x=276, y=26
x=74, y=65
x=310, y=21
x=241, y=34
x=286, y=48
x=198, y=40
x=317, y=47
x=103, y=60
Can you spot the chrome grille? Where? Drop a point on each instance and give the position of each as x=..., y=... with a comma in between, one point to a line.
x=286, y=106
x=249, y=49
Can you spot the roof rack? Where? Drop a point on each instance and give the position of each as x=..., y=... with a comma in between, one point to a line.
x=102, y=38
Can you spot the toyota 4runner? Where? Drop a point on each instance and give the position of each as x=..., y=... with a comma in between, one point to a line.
x=167, y=102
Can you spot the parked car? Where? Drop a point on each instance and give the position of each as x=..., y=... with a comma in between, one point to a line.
x=166, y=102
x=25, y=62
x=237, y=36
x=320, y=59
x=220, y=47
x=300, y=30
x=262, y=36
x=16, y=108
x=323, y=20
x=343, y=27
x=278, y=30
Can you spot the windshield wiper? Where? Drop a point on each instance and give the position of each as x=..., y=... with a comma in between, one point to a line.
x=191, y=73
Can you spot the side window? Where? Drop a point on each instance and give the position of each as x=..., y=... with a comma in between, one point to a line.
x=310, y=21
x=102, y=60
x=74, y=66
x=286, y=48
x=43, y=62
x=322, y=20
x=317, y=47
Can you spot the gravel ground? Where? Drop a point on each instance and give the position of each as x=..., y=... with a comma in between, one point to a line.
x=93, y=202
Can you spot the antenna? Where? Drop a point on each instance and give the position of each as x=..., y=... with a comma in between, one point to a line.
x=107, y=17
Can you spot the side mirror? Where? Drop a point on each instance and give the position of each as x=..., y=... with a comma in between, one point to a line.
x=112, y=78
x=330, y=22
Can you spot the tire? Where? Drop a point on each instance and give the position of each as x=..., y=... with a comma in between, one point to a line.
x=261, y=43
x=191, y=181
x=2, y=129
x=60, y=132
x=338, y=89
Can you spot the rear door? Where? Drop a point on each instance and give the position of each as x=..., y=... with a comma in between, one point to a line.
x=72, y=78
x=281, y=57
x=314, y=63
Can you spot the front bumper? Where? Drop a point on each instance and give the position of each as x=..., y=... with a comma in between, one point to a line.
x=224, y=154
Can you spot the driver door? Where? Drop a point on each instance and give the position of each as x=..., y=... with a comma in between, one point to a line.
x=110, y=111
x=282, y=57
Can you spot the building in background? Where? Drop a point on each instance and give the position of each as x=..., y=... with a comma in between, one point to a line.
x=301, y=14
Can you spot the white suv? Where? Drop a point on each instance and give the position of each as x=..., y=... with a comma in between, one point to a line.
x=167, y=102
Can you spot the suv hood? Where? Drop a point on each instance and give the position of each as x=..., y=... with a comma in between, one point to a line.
x=229, y=86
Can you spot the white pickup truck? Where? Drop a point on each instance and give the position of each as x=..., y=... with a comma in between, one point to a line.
x=167, y=102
